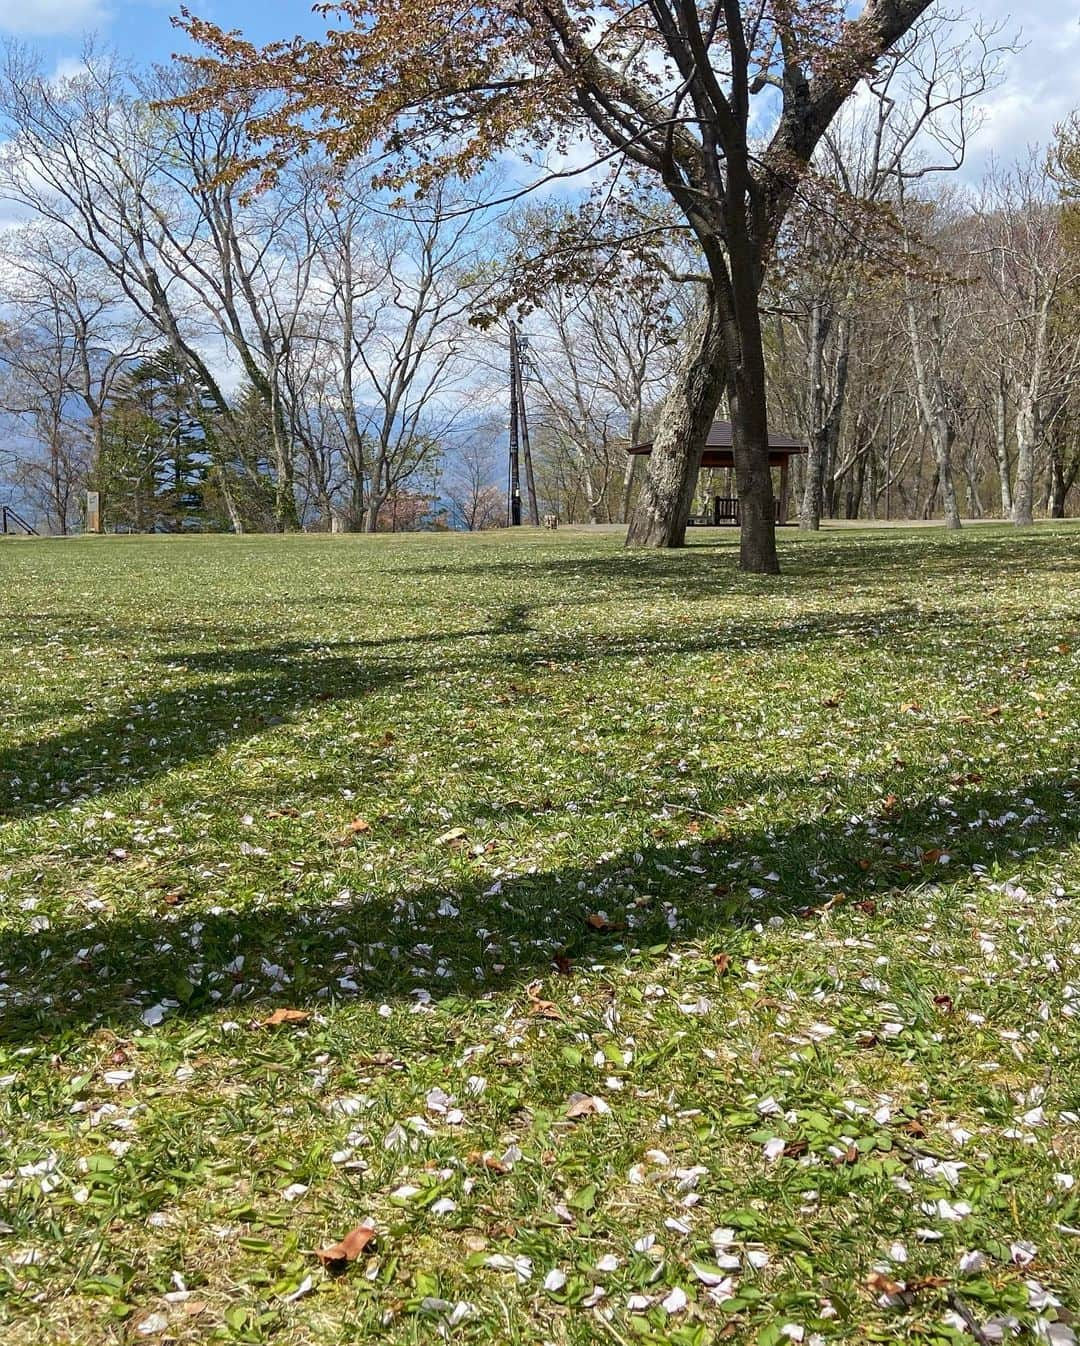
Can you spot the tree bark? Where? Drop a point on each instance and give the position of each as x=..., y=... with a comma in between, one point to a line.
x=667, y=490
x=1024, y=495
x=753, y=479
x=934, y=404
x=1001, y=444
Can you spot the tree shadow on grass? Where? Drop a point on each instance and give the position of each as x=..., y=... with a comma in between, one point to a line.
x=252, y=689
x=473, y=936
x=864, y=559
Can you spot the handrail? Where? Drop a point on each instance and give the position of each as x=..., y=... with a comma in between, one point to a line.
x=10, y=515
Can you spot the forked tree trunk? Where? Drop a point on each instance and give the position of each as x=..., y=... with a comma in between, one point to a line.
x=934, y=406
x=667, y=489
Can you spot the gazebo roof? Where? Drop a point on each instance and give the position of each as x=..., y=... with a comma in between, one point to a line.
x=718, y=451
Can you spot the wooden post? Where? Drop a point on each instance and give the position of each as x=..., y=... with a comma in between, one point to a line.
x=93, y=512
x=784, y=464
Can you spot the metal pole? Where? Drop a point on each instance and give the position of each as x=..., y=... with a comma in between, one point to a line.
x=530, y=482
x=513, y=504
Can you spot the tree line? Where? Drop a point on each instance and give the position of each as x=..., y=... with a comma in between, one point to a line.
x=216, y=320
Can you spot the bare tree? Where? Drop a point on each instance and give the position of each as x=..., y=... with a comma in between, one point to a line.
x=402, y=285
x=1028, y=271
x=472, y=482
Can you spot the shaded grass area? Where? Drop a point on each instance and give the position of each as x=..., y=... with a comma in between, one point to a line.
x=783, y=872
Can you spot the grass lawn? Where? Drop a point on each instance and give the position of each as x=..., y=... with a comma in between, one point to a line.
x=675, y=955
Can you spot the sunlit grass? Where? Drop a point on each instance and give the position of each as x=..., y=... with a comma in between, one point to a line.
x=772, y=882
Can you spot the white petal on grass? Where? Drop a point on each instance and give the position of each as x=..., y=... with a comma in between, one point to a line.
x=554, y=1281
x=674, y=1302
x=304, y=1288
x=521, y=1266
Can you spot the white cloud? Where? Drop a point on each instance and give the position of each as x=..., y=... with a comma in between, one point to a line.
x=1042, y=81
x=40, y=18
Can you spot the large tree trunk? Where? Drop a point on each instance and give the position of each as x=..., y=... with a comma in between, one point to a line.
x=753, y=478
x=667, y=490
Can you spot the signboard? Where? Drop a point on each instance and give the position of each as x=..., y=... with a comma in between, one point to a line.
x=93, y=512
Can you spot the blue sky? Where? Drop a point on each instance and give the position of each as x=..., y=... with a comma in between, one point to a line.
x=1042, y=84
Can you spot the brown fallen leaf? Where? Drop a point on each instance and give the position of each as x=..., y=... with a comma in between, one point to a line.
x=286, y=1016
x=454, y=836
x=564, y=964
x=884, y=1285
x=944, y=1003
x=358, y=825
x=794, y=1148
x=286, y=812
x=601, y=923
x=910, y=708
x=542, y=1009
x=585, y=1105
x=722, y=962
x=932, y=856
x=488, y=1160
x=350, y=1247
x=926, y=1283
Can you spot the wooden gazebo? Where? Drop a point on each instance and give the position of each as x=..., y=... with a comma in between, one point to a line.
x=718, y=453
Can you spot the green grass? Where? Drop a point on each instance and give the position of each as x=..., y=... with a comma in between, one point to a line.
x=749, y=860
